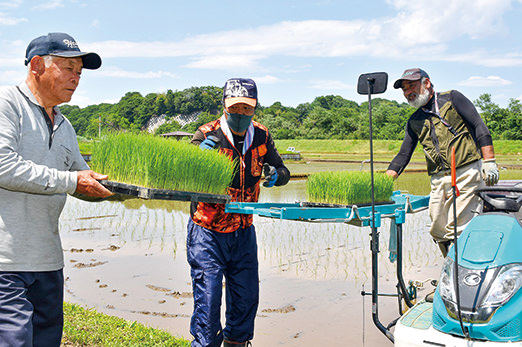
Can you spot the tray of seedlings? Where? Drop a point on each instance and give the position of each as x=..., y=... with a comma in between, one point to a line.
x=343, y=196
x=149, y=167
x=347, y=188
x=129, y=191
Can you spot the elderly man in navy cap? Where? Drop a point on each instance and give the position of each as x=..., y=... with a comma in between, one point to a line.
x=442, y=121
x=40, y=163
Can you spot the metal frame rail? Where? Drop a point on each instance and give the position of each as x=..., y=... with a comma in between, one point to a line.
x=353, y=214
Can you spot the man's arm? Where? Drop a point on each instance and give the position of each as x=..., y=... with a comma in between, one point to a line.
x=402, y=159
x=19, y=174
x=22, y=175
x=273, y=158
x=487, y=152
x=480, y=134
x=197, y=138
x=473, y=120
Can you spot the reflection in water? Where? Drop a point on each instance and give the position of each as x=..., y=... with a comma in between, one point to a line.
x=139, y=246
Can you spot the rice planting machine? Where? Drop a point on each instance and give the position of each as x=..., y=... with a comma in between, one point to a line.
x=478, y=301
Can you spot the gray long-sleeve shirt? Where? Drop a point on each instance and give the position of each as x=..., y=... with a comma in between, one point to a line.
x=38, y=161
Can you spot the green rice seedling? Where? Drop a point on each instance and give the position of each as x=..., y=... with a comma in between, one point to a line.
x=161, y=163
x=347, y=187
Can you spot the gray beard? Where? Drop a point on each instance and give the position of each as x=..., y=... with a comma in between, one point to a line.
x=421, y=99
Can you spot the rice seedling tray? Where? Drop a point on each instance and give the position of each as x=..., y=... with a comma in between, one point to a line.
x=401, y=203
x=133, y=191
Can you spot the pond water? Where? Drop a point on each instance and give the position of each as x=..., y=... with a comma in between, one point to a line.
x=128, y=259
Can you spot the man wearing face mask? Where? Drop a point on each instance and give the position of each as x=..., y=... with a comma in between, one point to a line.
x=224, y=244
x=442, y=121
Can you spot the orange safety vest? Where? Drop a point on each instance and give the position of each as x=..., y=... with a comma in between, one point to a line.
x=245, y=186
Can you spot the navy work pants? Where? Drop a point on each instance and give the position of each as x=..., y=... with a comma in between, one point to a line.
x=211, y=256
x=31, y=309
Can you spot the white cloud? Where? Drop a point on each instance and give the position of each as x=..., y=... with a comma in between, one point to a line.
x=227, y=62
x=11, y=4
x=10, y=77
x=49, y=5
x=483, y=58
x=80, y=100
x=95, y=23
x=428, y=21
x=7, y=20
x=490, y=81
x=12, y=62
x=267, y=79
x=119, y=73
x=329, y=85
x=420, y=30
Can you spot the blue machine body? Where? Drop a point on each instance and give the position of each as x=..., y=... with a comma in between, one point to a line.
x=490, y=245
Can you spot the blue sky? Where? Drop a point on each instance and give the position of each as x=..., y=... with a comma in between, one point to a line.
x=294, y=49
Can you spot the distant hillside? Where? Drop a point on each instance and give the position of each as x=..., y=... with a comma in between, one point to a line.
x=326, y=117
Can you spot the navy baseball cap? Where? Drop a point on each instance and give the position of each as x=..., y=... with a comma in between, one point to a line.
x=240, y=90
x=61, y=45
x=410, y=75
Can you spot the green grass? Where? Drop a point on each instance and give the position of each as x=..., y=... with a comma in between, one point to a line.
x=87, y=327
x=157, y=162
x=504, y=147
x=347, y=187
x=391, y=147
x=85, y=146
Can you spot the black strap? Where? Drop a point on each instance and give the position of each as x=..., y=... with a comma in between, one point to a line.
x=437, y=114
x=435, y=141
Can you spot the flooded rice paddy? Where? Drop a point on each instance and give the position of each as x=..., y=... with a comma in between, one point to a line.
x=128, y=259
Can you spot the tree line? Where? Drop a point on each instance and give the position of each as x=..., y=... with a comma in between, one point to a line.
x=326, y=117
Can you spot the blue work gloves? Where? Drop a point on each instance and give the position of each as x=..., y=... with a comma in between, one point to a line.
x=270, y=175
x=490, y=171
x=210, y=142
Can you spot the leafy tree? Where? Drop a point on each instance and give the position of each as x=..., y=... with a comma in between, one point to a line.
x=513, y=121
x=333, y=101
x=145, y=110
x=345, y=123
x=490, y=112
x=318, y=124
x=329, y=116
x=160, y=105
x=168, y=127
x=128, y=105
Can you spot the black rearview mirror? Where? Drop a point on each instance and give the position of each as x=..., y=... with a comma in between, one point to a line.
x=372, y=83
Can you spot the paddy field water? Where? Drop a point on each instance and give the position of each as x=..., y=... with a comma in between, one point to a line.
x=128, y=259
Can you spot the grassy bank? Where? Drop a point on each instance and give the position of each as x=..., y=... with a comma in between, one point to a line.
x=379, y=146
x=507, y=152
x=88, y=328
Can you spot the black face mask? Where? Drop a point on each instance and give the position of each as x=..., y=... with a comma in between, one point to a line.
x=238, y=122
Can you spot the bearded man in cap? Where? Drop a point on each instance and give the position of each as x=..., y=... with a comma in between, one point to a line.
x=40, y=163
x=223, y=244
x=442, y=121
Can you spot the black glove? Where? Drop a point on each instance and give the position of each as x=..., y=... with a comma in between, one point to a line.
x=270, y=175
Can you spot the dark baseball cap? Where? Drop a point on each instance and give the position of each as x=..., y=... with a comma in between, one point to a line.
x=61, y=45
x=240, y=90
x=410, y=75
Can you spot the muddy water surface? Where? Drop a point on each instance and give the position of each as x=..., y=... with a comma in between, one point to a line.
x=128, y=259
